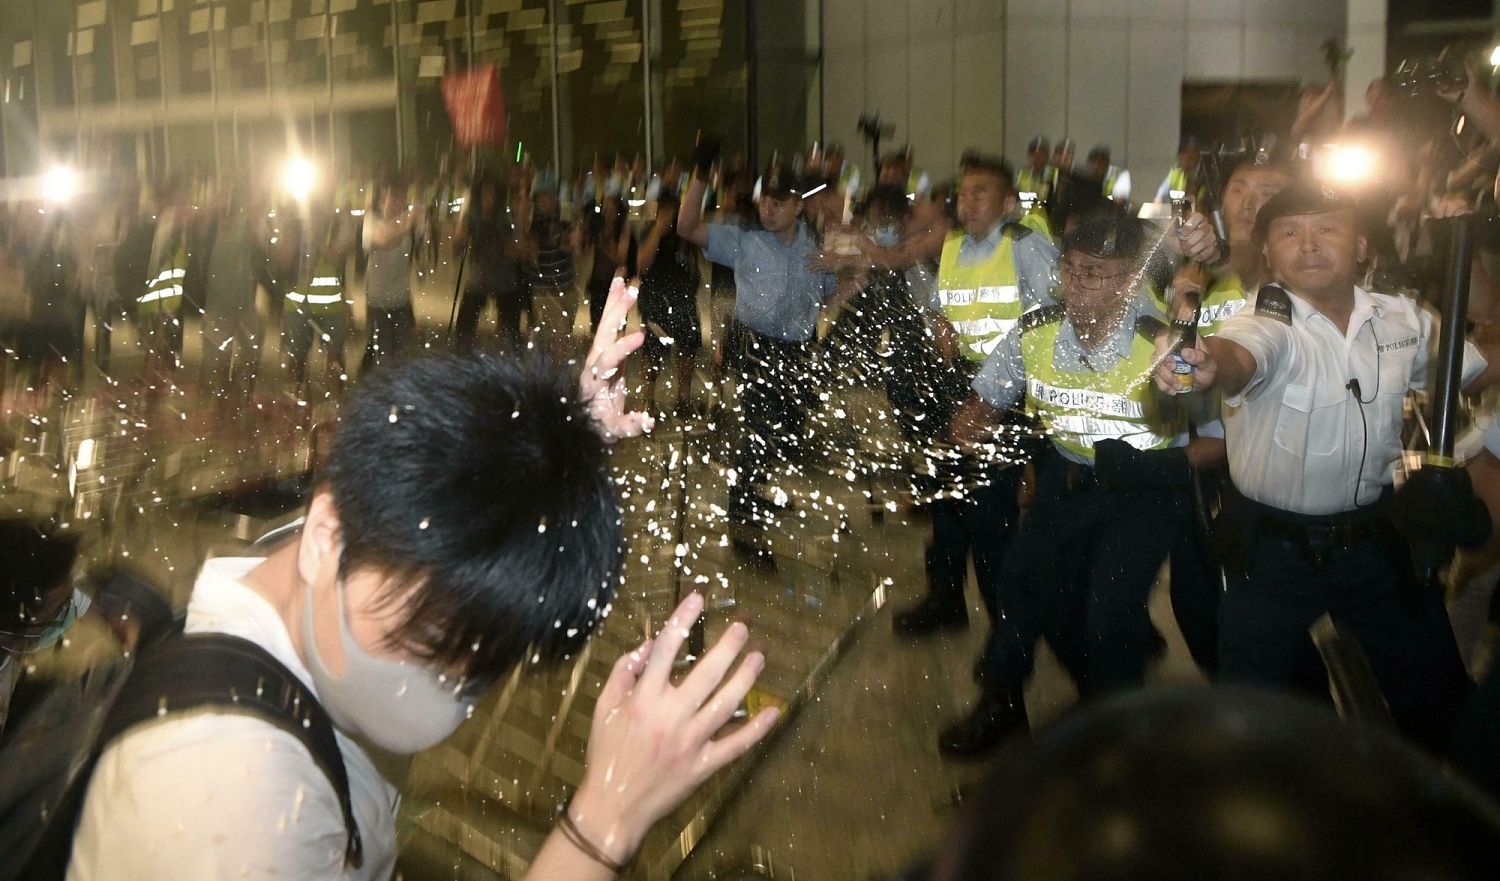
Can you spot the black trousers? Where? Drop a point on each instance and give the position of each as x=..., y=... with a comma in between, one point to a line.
x=508, y=301
x=776, y=389
x=1370, y=590
x=981, y=523
x=391, y=334
x=1079, y=572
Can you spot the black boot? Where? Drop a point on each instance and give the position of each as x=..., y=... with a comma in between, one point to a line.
x=943, y=608
x=933, y=613
x=1000, y=714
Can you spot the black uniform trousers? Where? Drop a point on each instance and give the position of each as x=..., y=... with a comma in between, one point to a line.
x=1360, y=573
x=1079, y=572
x=776, y=389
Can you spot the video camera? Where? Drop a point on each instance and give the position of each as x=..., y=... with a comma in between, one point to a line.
x=1427, y=74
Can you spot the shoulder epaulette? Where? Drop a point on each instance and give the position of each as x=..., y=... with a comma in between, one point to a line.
x=1040, y=316
x=1016, y=230
x=1149, y=326
x=1274, y=303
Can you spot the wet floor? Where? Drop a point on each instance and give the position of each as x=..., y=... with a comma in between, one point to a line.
x=851, y=786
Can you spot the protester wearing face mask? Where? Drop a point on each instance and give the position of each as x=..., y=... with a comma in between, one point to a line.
x=490, y=540
x=37, y=600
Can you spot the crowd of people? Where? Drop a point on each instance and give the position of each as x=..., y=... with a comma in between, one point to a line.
x=1087, y=397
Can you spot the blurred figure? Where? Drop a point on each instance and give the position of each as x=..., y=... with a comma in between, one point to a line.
x=316, y=311
x=37, y=600
x=551, y=242
x=52, y=337
x=159, y=302
x=486, y=229
x=669, y=302
x=1222, y=783
x=1113, y=181
x=386, y=236
x=231, y=326
x=97, y=239
x=614, y=251
x=1184, y=180
x=1033, y=182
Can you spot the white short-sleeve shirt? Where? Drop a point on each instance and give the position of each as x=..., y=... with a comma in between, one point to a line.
x=207, y=796
x=1298, y=438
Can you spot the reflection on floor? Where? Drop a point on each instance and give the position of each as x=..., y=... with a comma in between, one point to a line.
x=851, y=786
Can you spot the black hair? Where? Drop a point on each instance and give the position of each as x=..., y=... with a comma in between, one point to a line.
x=982, y=163
x=888, y=200
x=1106, y=231
x=36, y=559
x=478, y=486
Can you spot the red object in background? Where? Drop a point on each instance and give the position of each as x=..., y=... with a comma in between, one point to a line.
x=476, y=104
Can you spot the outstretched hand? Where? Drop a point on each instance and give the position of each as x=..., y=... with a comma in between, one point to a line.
x=652, y=743
x=602, y=385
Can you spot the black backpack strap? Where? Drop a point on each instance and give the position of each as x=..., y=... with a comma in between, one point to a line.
x=227, y=673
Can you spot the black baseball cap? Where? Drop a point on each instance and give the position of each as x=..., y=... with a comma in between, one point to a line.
x=780, y=181
x=1303, y=197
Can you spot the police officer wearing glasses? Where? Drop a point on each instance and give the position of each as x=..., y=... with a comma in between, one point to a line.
x=1112, y=485
x=1313, y=376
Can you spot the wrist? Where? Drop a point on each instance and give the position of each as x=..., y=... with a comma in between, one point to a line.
x=609, y=827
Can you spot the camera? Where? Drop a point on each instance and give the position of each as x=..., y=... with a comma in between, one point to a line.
x=1425, y=75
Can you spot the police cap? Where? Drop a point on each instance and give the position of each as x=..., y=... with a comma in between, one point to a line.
x=1107, y=232
x=781, y=181
x=1302, y=197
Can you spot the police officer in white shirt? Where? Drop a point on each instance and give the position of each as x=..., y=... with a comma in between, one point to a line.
x=1313, y=380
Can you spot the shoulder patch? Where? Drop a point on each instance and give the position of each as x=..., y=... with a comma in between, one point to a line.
x=1274, y=303
x=1149, y=326
x=1040, y=316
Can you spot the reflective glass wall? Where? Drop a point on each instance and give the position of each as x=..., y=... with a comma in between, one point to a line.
x=193, y=87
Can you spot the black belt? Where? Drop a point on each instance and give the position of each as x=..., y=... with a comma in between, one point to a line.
x=1333, y=534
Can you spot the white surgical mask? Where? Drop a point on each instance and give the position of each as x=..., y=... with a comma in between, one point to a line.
x=400, y=706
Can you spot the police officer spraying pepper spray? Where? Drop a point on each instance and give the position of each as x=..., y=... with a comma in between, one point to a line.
x=1313, y=377
x=1081, y=566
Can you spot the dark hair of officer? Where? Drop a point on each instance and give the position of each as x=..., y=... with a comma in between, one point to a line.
x=981, y=163
x=479, y=489
x=1225, y=783
x=1108, y=232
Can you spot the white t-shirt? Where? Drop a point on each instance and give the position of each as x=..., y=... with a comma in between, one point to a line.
x=1297, y=437
x=211, y=795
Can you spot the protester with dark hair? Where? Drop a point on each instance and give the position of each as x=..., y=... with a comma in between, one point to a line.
x=491, y=540
x=1112, y=486
x=37, y=600
x=669, y=302
x=492, y=270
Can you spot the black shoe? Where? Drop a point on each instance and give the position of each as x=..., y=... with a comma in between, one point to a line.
x=998, y=716
x=932, y=614
x=754, y=554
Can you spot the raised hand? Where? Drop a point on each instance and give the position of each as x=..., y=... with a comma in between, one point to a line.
x=602, y=385
x=653, y=743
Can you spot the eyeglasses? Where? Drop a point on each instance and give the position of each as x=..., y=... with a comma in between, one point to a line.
x=1090, y=278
